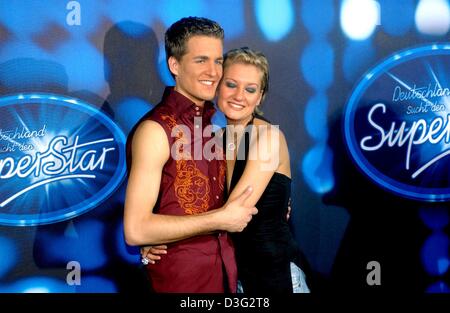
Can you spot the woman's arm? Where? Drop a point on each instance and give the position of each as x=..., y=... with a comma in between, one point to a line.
x=267, y=154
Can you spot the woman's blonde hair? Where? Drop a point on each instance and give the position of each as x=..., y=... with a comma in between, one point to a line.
x=248, y=56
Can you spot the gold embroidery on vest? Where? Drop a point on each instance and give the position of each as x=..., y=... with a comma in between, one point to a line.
x=169, y=119
x=222, y=169
x=191, y=186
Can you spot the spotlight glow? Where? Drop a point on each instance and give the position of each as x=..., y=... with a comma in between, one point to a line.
x=433, y=17
x=359, y=18
x=275, y=18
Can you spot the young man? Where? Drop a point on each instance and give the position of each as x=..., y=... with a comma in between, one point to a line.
x=173, y=197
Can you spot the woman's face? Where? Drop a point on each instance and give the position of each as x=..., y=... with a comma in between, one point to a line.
x=239, y=92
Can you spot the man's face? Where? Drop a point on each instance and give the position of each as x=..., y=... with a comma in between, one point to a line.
x=199, y=71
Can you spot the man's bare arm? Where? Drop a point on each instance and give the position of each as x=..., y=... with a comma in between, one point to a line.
x=142, y=226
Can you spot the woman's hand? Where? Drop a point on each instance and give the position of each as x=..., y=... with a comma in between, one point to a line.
x=151, y=254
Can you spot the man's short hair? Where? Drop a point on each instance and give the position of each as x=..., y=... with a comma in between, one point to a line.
x=181, y=31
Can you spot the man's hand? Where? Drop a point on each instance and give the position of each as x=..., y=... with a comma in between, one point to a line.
x=235, y=215
x=234, y=218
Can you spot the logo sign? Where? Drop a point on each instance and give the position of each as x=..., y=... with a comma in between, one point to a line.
x=59, y=158
x=397, y=123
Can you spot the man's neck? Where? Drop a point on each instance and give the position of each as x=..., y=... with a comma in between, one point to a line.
x=197, y=102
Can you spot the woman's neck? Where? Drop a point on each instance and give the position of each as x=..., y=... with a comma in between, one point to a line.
x=243, y=122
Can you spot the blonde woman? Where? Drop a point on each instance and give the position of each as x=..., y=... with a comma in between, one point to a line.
x=268, y=258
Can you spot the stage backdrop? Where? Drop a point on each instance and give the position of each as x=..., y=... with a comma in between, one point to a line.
x=359, y=87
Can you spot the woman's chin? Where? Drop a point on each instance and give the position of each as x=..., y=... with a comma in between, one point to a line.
x=242, y=119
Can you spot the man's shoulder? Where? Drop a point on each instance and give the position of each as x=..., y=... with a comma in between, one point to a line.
x=149, y=127
x=161, y=113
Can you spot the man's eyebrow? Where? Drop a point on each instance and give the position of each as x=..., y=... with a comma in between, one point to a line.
x=201, y=57
x=204, y=57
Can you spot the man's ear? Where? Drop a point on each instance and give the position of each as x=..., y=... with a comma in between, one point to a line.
x=173, y=65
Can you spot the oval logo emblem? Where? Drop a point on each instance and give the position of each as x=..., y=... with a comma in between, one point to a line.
x=59, y=158
x=397, y=123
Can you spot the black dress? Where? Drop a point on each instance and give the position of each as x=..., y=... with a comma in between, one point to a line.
x=266, y=247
